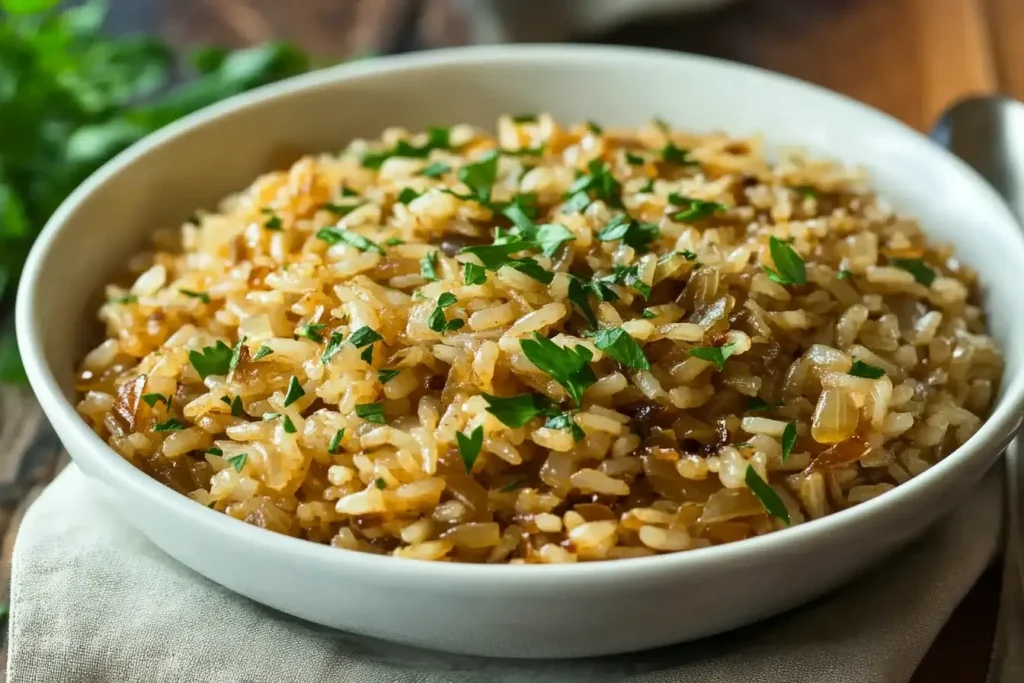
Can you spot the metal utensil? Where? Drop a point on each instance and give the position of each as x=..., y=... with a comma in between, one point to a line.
x=988, y=133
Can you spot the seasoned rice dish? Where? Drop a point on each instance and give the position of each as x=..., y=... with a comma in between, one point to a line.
x=555, y=344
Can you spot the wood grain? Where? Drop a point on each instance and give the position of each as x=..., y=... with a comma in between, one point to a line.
x=910, y=58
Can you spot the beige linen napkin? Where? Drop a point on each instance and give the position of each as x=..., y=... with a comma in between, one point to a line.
x=93, y=600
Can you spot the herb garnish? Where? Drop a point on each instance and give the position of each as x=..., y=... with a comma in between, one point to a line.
x=436, y=170
x=617, y=343
x=289, y=426
x=648, y=314
x=714, y=354
x=694, y=209
x=273, y=223
x=236, y=354
x=407, y=195
x=295, y=392
x=524, y=118
x=387, y=374
x=437, y=138
x=172, y=425
x=428, y=267
x=262, y=352
x=865, y=370
x=202, y=296
x=371, y=412
x=479, y=176
x=340, y=210
x=494, y=256
x=568, y=367
x=380, y=483
x=578, y=296
x=339, y=235
x=788, y=440
x=759, y=405
x=393, y=241
x=332, y=448
x=634, y=159
x=152, y=399
x=469, y=447
x=844, y=275
x=576, y=203
x=122, y=300
x=770, y=500
x=437, y=321
x=311, y=331
x=600, y=182
x=916, y=267
x=212, y=360
x=621, y=275
x=566, y=421
x=332, y=348
x=363, y=336
x=214, y=451
x=791, y=268
x=511, y=486
x=516, y=411
x=632, y=232
x=676, y=155
x=472, y=274
x=238, y=461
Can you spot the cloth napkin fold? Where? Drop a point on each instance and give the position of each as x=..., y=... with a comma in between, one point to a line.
x=93, y=600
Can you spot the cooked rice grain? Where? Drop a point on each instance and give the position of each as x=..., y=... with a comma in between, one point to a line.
x=662, y=455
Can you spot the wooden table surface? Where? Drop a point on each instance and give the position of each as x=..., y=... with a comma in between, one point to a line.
x=910, y=58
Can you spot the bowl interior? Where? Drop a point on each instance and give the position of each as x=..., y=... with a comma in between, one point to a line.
x=197, y=161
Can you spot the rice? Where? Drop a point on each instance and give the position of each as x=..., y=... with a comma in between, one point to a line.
x=591, y=345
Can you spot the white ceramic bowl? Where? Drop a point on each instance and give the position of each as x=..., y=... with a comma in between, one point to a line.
x=514, y=611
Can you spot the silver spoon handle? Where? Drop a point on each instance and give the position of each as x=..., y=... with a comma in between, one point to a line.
x=1007, y=663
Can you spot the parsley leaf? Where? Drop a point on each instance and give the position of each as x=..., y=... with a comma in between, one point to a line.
x=332, y=348
x=340, y=210
x=551, y=236
x=865, y=370
x=236, y=354
x=844, y=275
x=676, y=155
x=648, y=314
x=569, y=367
x=576, y=203
x=407, y=195
x=437, y=321
x=714, y=354
x=428, y=267
x=273, y=223
x=202, y=296
x=371, y=412
x=617, y=343
x=621, y=275
x=578, y=296
x=386, y=375
x=516, y=411
x=380, y=483
x=363, y=336
x=332, y=448
x=237, y=409
x=289, y=426
x=494, y=256
x=152, y=399
x=632, y=232
x=759, y=405
x=916, y=267
x=788, y=440
x=436, y=170
x=312, y=331
x=634, y=159
x=479, y=176
x=791, y=268
x=524, y=118
x=238, y=461
x=600, y=182
x=472, y=274
x=367, y=354
x=594, y=128
x=469, y=447
x=393, y=241
x=566, y=421
x=295, y=392
x=773, y=505
x=123, y=300
x=437, y=138
x=694, y=209
x=339, y=235
x=172, y=425
x=214, y=451
x=212, y=360
x=262, y=352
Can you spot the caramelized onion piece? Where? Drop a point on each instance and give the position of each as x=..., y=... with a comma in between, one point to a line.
x=843, y=453
x=127, y=404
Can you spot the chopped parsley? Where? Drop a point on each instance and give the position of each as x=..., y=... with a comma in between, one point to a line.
x=617, y=343
x=759, y=405
x=569, y=367
x=335, y=444
x=436, y=170
x=566, y=421
x=272, y=223
x=371, y=412
x=172, y=425
x=393, y=241
x=472, y=274
x=238, y=461
x=340, y=210
x=407, y=195
x=693, y=209
x=339, y=235
x=600, y=183
x=122, y=300
x=770, y=500
x=635, y=159
x=511, y=486
x=594, y=128
x=479, y=176
x=916, y=267
x=648, y=314
x=332, y=348
x=152, y=399
x=516, y=411
x=865, y=370
x=236, y=354
x=311, y=331
x=621, y=275
x=212, y=360
x=202, y=296
x=262, y=352
x=524, y=118
x=578, y=296
x=576, y=203
x=380, y=483
x=386, y=375
x=214, y=451
x=437, y=321
x=807, y=191
x=632, y=232
x=428, y=267
x=714, y=354
x=469, y=447
x=367, y=354
x=237, y=410
x=494, y=256
x=363, y=336
x=289, y=426
x=844, y=275
x=791, y=268
x=437, y=138
x=676, y=155
x=348, y=192
x=295, y=392
x=788, y=440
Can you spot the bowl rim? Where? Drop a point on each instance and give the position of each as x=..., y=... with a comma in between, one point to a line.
x=995, y=432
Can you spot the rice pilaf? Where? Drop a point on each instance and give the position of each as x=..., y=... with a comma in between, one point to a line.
x=558, y=344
